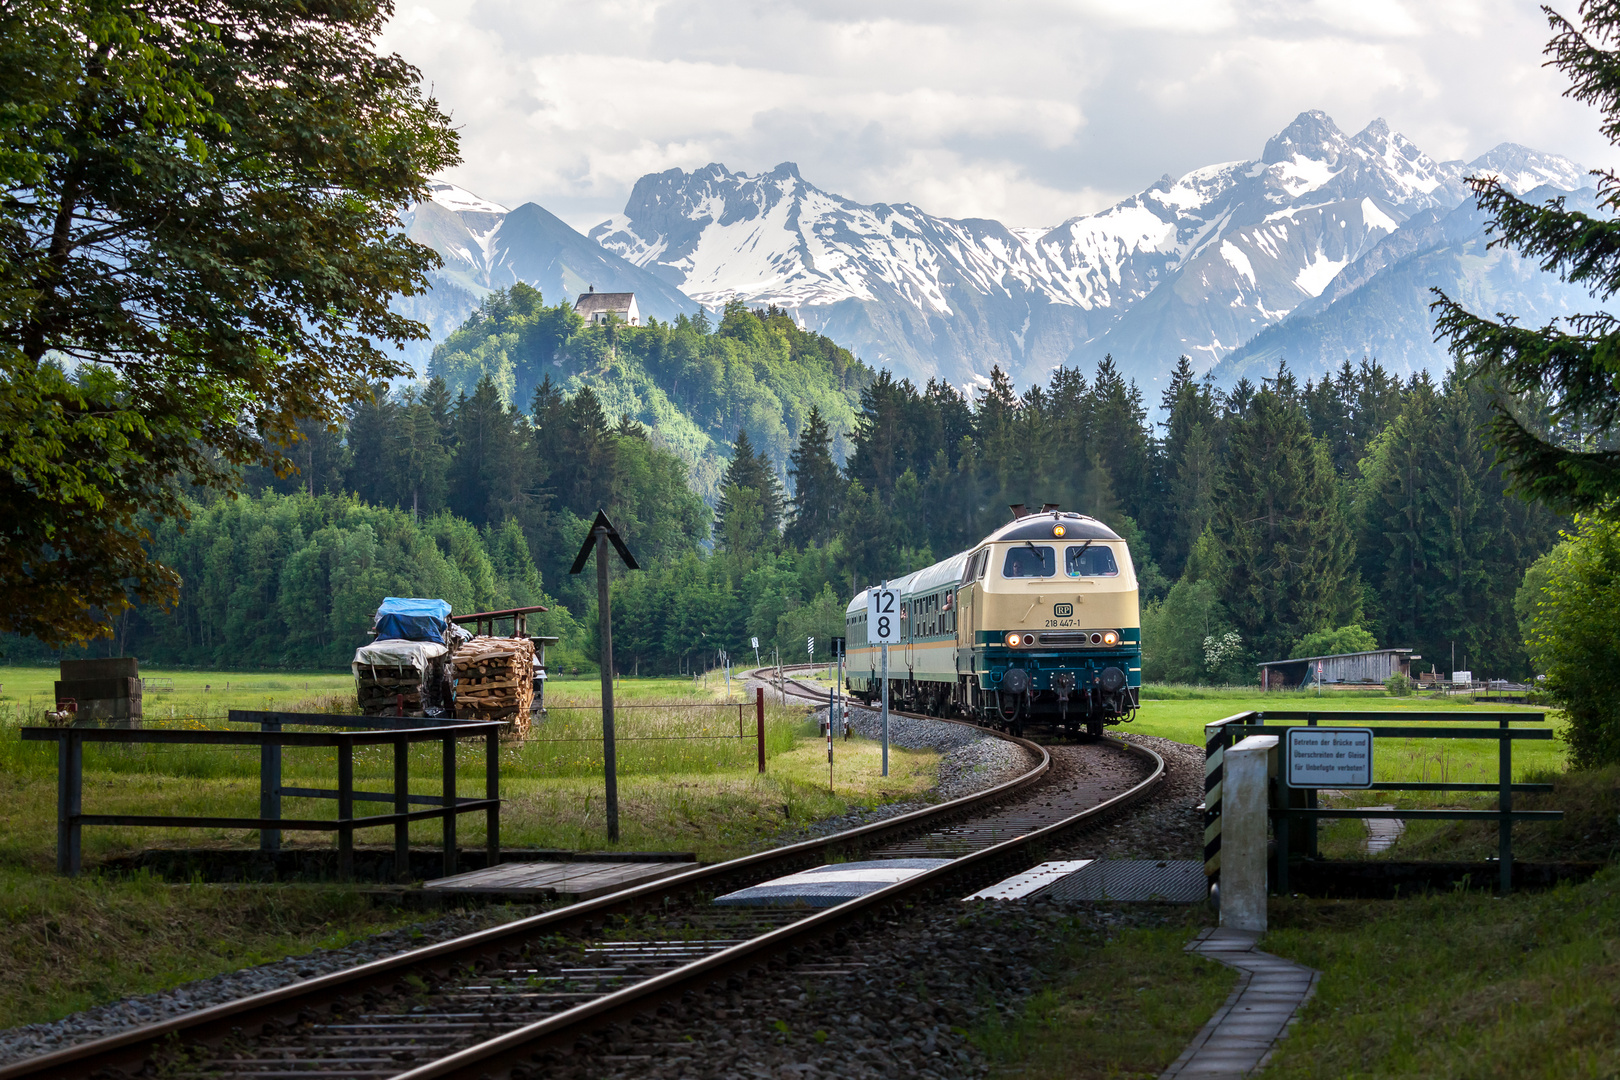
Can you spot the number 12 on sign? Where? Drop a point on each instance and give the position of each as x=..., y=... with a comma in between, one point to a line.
x=883, y=616
x=883, y=628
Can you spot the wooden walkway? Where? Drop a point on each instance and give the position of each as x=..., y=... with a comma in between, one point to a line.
x=563, y=880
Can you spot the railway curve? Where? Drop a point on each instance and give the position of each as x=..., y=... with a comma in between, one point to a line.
x=274, y=1034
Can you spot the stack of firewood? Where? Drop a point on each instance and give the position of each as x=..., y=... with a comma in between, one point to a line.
x=380, y=689
x=495, y=681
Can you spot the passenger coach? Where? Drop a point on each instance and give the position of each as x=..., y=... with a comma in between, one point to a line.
x=1038, y=623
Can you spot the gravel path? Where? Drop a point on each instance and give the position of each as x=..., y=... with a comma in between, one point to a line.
x=36, y=1039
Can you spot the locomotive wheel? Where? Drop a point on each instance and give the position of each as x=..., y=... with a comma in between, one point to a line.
x=1094, y=728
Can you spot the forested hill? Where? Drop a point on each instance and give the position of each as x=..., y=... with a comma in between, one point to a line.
x=694, y=385
x=1266, y=521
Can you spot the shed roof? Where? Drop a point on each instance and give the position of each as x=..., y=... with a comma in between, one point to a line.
x=1331, y=656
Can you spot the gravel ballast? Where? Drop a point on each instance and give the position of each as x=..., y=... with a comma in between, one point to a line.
x=35, y=1039
x=899, y=1007
x=898, y=1000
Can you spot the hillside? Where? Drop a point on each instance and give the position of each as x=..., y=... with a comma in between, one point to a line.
x=692, y=383
x=486, y=247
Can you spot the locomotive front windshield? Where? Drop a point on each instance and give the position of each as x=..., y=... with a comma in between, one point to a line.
x=1029, y=561
x=1091, y=560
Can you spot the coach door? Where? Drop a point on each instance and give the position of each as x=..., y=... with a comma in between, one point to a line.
x=908, y=627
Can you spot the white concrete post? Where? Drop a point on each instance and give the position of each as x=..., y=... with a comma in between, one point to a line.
x=1245, y=802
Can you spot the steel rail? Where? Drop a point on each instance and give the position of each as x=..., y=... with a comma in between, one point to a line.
x=511, y=1050
x=128, y=1049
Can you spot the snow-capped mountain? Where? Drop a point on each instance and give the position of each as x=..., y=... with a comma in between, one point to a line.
x=485, y=246
x=1198, y=264
x=1378, y=306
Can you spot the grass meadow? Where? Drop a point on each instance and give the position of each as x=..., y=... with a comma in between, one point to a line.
x=1431, y=986
x=687, y=782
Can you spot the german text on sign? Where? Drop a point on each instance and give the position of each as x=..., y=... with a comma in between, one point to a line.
x=1328, y=757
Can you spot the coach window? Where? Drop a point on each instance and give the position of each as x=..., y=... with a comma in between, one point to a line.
x=1029, y=561
x=1088, y=560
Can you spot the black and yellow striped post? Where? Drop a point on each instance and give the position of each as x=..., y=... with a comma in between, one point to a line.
x=1216, y=739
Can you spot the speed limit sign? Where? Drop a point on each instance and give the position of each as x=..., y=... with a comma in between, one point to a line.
x=883, y=616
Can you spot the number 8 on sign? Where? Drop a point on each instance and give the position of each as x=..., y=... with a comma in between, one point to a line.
x=883, y=616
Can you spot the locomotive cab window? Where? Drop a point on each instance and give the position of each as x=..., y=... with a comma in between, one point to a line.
x=1091, y=560
x=1029, y=561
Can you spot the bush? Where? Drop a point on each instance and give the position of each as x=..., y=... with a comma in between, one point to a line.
x=1574, y=634
x=1398, y=685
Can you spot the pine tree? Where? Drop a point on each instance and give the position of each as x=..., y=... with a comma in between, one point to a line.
x=372, y=428
x=750, y=472
x=1558, y=407
x=1122, y=441
x=1279, y=529
x=1189, y=466
x=818, y=486
x=488, y=477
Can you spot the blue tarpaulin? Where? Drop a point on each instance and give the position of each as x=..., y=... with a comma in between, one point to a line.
x=412, y=619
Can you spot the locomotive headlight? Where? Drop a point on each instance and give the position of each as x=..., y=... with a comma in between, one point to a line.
x=1058, y=530
x=1110, y=638
x=1012, y=641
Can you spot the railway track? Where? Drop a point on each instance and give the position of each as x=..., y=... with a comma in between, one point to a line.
x=505, y=1001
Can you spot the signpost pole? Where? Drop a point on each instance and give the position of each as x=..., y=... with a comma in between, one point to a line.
x=603, y=533
x=610, y=762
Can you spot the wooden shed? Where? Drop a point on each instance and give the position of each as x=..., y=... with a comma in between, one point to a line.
x=1350, y=669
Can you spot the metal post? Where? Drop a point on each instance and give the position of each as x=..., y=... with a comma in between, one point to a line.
x=346, y=811
x=604, y=614
x=839, y=683
x=1504, y=803
x=885, y=710
x=1312, y=850
x=1282, y=846
x=492, y=790
x=270, y=787
x=402, y=805
x=759, y=715
x=450, y=861
x=69, y=802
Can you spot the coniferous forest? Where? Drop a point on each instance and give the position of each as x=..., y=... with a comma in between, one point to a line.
x=1266, y=521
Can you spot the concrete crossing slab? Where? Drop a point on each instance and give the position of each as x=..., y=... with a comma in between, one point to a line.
x=830, y=885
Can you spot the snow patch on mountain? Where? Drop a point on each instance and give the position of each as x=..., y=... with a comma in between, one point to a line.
x=1198, y=263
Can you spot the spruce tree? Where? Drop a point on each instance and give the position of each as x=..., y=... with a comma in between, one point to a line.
x=750, y=472
x=818, y=486
x=487, y=479
x=1189, y=465
x=1557, y=422
x=371, y=429
x=1279, y=530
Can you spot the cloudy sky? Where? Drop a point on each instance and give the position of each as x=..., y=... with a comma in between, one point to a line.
x=1028, y=112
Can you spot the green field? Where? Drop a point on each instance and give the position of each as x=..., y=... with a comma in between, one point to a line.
x=69, y=944
x=688, y=782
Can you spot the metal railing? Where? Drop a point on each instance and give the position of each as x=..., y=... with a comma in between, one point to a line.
x=399, y=732
x=1299, y=805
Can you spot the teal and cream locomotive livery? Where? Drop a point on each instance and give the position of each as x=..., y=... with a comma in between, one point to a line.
x=1039, y=623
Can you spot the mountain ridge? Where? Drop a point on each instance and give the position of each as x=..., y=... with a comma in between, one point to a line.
x=1203, y=264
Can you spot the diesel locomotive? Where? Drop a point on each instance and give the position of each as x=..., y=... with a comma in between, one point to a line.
x=1037, y=624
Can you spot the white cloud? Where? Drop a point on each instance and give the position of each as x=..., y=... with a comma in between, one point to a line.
x=1028, y=110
